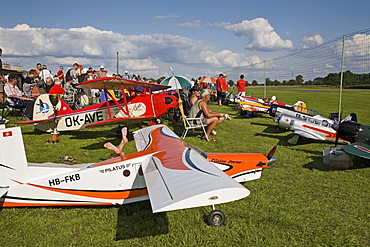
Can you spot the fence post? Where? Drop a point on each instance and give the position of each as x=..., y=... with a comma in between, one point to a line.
x=341, y=81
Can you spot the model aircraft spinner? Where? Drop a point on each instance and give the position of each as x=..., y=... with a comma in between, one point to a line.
x=141, y=104
x=170, y=173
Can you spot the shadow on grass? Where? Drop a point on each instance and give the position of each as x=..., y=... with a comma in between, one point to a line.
x=138, y=221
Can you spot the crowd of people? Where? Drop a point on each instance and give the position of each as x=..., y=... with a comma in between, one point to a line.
x=41, y=80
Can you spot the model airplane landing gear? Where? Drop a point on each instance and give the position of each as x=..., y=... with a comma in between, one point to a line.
x=216, y=217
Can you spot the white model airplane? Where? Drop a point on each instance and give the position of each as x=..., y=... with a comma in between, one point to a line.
x=304, y=124
x=165, y=170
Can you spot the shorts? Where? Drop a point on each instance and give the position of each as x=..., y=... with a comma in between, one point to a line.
x=220, y=95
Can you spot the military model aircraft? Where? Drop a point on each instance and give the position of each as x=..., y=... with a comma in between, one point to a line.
x=304, y=123
x=357, y=134
x=165, y=170
x=142, y=104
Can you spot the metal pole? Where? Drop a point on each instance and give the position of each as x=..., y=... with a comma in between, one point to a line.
x=264, y=74
x=117, y=61
x=341, y=80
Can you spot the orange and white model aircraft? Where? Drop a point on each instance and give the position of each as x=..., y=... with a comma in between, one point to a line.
x=165, y=170
x=142, y=104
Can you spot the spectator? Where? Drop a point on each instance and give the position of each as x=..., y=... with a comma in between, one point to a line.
x=101, y=73
x=29, y=83
x=126, y=76
x=49, y=83
x=15, y=97
x=38, y=69
x=71, y=75
x=194, y=94
x=60, y=73
x=57, y=89
x=207, y=116
x=45, y=73
x=241, y=86
x=221, y=88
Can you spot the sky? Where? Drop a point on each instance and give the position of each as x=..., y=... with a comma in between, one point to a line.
x=195, y=38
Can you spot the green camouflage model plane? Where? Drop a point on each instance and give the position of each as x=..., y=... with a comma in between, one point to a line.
x=357, y=134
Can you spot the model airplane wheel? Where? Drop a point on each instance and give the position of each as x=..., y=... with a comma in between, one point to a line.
x=277, y=128
x=216, y=218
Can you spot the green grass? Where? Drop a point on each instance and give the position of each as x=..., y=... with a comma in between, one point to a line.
x=299, y=201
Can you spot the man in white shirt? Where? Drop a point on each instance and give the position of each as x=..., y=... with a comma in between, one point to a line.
x=15, y=97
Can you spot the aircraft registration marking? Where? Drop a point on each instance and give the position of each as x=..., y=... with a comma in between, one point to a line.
x=67, y=179
x=81, y=119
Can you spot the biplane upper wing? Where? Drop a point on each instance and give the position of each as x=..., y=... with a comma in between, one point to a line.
x=114, y=83
x=178, y=177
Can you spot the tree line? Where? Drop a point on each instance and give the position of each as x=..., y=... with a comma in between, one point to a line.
x=332, y=79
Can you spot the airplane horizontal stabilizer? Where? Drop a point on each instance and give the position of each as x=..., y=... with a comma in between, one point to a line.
x=359, y=149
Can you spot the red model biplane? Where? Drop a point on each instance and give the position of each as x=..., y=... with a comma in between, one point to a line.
x=141, y=104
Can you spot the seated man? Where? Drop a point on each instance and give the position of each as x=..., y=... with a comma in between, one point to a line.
x=12, y=91
x=194, y=94
x=212, y=119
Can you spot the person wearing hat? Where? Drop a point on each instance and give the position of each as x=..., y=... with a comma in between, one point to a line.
x=126, y=76
x=221, y=88
x=194, y=94
x=101, y=72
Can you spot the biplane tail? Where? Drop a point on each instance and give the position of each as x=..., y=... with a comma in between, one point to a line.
x=13, y=161
x=43, y=108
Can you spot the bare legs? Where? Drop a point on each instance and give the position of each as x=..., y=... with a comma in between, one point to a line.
x=212, y=123
x=118, y=150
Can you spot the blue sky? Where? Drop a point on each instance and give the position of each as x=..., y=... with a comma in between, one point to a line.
x=194, y=37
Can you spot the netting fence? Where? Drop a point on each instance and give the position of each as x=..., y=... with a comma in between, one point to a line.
x=312, y=66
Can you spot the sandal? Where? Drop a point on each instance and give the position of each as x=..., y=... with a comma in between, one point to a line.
x=67, y=159
x=210, y=139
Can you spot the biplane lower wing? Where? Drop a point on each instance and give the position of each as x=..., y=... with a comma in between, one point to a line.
x=116, y=120
x=178, y=177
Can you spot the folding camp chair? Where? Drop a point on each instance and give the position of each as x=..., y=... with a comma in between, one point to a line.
x=193, y=124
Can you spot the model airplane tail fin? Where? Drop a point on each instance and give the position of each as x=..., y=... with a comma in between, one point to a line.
x=13, y=162
x=43, y=108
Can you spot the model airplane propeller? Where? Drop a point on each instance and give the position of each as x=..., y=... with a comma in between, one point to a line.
x=357, y=134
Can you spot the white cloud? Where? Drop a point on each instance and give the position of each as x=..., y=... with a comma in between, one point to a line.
x=147, y=55
x=313, y=40
x=166, y=16
x=195, y=24
x=259, y=33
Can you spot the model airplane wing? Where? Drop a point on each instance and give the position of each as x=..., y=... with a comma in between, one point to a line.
x=358, y=148
x=178, y=177
x=116, y=83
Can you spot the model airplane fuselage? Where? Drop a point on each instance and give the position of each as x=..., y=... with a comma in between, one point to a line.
x=357, y=134
x=303, y=124
x=256, y=105
x=172, y=174
x=141, y=105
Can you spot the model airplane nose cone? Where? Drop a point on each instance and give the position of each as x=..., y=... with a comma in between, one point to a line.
x=335, y=127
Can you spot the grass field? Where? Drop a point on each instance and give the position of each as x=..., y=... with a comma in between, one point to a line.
x=298, y=201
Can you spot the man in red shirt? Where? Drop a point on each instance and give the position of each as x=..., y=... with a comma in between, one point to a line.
x=241, y=86
x=221, y=88
x=60, y=73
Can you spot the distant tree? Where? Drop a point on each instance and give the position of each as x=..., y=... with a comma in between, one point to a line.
x=254, y=83
x=299, y=79
x=231, y=83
